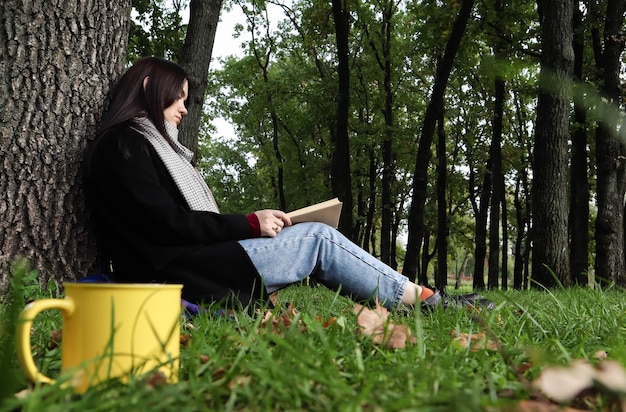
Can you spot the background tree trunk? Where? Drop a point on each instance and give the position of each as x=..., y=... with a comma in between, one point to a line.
x=195, y=57
x=497, y=186
x=441, y=275
x=611, y=157
x=579, y=204
x=550, y=166
x=420, y=175
x=341, y=180
x=58, y=63
x=388, y=179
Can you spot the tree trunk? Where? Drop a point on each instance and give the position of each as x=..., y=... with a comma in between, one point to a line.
x=611, y=156
x=388, y=178
x=518, y=265
x=497, y=190
x=59, y=60
x=341, y=180
x=420, y=175
x=195, y=57
x=441, y=275
x=550, y=166
x=522, y=203
x=579, y=204
x=480, y=237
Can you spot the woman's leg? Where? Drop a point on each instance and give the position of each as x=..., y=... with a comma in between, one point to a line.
x=324, y=253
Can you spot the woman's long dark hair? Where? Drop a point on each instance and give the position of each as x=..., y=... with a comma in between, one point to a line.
x=131, y=99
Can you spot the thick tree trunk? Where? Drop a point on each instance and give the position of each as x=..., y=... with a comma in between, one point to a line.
x=611, y=157
x=550, y=166
x=58, y=62
x=195, y=57
x=420, y=175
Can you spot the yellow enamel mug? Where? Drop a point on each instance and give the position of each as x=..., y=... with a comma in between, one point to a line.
x=110, y=330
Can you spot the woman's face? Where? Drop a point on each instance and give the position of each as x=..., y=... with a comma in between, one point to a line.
x=175, y=112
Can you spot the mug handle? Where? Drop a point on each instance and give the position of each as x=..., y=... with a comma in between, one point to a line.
x=22, y=333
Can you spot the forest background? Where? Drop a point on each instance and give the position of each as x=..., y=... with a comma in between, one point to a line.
x=487, y=134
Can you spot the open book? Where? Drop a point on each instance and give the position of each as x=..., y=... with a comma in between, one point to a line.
x=326, y=212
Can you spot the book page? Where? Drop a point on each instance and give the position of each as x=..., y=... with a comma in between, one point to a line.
x=327, y=212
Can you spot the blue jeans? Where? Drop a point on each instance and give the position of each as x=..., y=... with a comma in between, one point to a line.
x=319, y=251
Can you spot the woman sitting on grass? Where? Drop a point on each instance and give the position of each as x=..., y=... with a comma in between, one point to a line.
x=159, y=222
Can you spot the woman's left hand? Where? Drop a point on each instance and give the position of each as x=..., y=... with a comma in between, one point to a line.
x=272, y=221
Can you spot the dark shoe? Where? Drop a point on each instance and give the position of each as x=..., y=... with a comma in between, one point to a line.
x=433, y=301
x=457, y=301
x=472, y=300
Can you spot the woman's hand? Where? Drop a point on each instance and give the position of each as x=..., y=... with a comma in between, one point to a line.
x=272, y=221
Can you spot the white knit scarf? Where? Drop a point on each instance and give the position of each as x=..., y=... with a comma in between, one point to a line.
x=177, y=160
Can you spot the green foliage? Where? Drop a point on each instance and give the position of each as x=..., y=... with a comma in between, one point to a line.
x=23, y=284
x=156, y=29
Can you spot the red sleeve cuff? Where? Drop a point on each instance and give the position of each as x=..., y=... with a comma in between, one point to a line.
x=255, y=226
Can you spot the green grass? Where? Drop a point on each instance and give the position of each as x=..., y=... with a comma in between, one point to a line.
x=238, y=365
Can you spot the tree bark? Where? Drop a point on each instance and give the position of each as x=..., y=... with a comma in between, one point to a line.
x=579, y=204
x=611, y=157
x=388, y=178
x=497, y=190
x=420, y=175
x=441, y=276
x=550, y=166
x=195, y=57
x=341, y=180
x=481, y=211
x=59, y=60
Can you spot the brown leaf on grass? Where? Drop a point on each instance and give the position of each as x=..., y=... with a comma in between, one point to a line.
x=24, y=393
x=218, y=373
x=204, y=359
x=612, y=376
x=185, y=339
x=375, y=323
x=274, y=298
x=280, y=320
x=155, y=379
x=328, y=322
x=474, y=341
x=239, y=381
x=539, y=406
x=564, y=384
x=55, y=338
x=601, y=355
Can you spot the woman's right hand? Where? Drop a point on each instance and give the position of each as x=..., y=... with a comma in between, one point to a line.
x=272, y=222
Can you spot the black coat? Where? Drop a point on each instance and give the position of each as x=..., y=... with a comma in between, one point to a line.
x=148, y=231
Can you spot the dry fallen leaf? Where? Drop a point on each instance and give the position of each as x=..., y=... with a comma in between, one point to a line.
x=282, y=319
x=375, y=323
x=55, y=338
x=155, y=379
x=538, y=406
x=563, y=384
x=24, y=393
x=185, y=339
x=239, y=381
x=612, y=376
x=601, y=355
x=474, y=341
